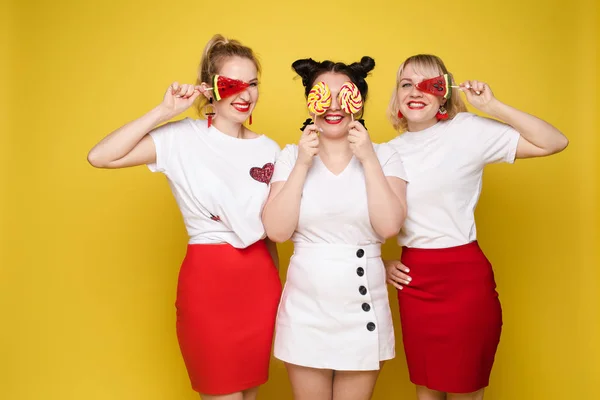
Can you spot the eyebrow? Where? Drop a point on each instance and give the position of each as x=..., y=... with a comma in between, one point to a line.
x=253, y=80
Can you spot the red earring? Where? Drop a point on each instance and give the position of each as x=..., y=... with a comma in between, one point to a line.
x=442, y=114
x=400, y=114
x=209, y=111
x=250, y=120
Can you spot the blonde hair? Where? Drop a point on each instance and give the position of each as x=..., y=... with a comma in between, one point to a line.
x=217, y=50
x=429, y=66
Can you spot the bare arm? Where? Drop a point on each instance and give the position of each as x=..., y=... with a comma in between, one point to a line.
x=386, y=196
x=282, y=210
x=281, y=213
x=130, y=145
x=538, y=137
x=386, y=199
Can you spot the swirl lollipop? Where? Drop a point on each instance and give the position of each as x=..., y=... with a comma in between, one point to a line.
x=350, y=99
x=319, y=99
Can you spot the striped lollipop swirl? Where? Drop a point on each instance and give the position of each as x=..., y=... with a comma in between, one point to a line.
x=349, y=98
x=319, y=99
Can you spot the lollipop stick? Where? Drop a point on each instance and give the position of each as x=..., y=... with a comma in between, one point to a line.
x=476, y=92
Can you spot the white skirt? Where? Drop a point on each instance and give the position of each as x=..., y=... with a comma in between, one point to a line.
x=334, y=311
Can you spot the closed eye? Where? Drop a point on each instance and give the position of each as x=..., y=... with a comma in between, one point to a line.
x=406, y=84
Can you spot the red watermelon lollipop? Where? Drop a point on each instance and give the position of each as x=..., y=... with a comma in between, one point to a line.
x=438, y=86
x=224, y=87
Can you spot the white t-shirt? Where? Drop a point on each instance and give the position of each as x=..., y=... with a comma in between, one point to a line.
x=219, y=182
x=445, y=164
x=334, y=208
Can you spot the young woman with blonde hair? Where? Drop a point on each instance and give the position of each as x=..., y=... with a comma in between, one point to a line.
x=449, y=308
x=219, y=172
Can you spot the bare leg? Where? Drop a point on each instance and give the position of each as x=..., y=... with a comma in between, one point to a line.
x=310, y=383
x=478, y=395
x=231, y=396
x=354, y=385
x=250, y=394
x=424, y=393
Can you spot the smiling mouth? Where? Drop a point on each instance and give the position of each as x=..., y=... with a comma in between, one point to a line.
x=241, y=107
x=414, y=105
x=333, y=119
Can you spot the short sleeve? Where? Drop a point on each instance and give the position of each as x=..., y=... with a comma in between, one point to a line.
x=276, y=151
x=495, y=141
x=285, y=163
x=390, y=161
x=163, y=138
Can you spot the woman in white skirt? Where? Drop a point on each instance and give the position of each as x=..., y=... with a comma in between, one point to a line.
x=338, y=197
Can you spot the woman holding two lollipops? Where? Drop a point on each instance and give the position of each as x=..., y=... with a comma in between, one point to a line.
x=338, y=197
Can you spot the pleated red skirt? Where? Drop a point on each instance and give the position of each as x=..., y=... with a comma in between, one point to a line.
x=227, y=300
x=451, y=318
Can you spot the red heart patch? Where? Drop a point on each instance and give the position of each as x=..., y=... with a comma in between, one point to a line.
x=263, y=174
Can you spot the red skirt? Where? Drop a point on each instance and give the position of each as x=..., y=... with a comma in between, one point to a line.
x=227, y=300
x=451, y=318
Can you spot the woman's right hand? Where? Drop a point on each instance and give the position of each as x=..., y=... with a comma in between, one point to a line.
x=180, y=97
x=308, y=147
x=396, y=273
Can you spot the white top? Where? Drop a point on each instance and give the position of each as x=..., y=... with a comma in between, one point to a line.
x=219, y=182
x=445, y=168
x=334, y=208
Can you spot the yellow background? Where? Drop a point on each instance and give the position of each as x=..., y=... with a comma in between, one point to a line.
x=89, y=258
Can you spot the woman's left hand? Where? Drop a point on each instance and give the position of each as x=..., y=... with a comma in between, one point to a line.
x=360, y=142
x=479, y=94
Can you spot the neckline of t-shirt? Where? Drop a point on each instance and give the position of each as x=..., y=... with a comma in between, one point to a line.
x=343, y=172
x=202, y=126
x=424, y=133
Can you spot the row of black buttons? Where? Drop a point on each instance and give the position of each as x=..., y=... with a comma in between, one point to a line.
x=363, y=290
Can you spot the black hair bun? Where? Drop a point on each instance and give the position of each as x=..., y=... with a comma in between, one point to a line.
x=362, y=68
x=306, y=69
x=368, y=63
x=309, y=69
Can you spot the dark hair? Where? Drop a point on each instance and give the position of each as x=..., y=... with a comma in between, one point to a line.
x=309, y=69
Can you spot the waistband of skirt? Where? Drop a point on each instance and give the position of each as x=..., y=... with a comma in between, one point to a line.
x=202, y=249
x=465, y=253
x=338, y=250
